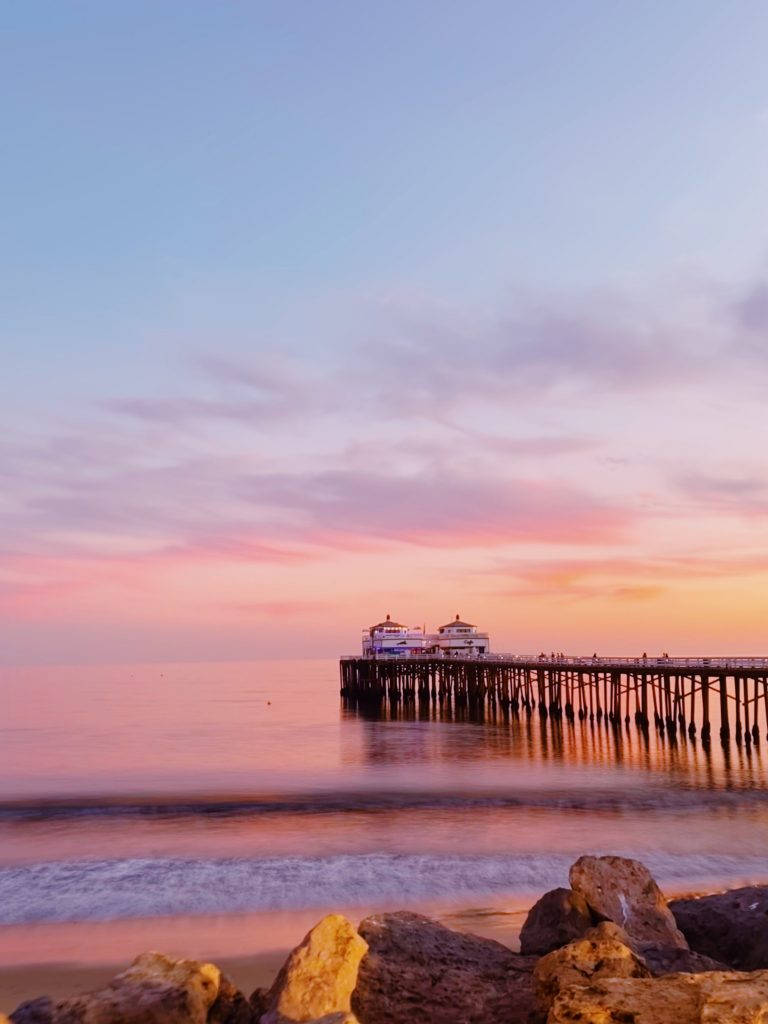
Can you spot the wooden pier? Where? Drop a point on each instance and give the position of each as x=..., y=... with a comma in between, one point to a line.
x=687, y=694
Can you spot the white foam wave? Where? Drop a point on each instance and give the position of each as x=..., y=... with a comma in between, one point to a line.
x=143, y=887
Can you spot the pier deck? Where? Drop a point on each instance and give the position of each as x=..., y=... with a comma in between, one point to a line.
x=673, y=693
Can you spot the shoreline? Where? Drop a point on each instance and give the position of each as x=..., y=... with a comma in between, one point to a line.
x=201, y=938
x=60, y=979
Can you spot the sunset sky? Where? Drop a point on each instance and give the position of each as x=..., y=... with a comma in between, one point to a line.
x=317, y=311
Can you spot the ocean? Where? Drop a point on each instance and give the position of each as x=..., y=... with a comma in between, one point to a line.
x=222, y=808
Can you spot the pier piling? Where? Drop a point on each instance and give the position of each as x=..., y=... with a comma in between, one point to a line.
x=614, y=690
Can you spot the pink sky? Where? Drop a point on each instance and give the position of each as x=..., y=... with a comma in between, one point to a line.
x=570, y=473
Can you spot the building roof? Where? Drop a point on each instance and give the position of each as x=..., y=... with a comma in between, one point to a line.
x=388, y=623
x=458, y=622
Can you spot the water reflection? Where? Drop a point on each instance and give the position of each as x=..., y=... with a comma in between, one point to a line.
x=431, y=731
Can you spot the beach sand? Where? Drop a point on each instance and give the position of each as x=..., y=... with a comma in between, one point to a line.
x=60, y=980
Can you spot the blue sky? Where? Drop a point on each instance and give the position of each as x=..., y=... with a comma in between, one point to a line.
x=176, y=166
x=263, y=231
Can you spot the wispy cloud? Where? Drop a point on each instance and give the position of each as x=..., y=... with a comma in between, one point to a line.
x=630, y=578
x=546, y=427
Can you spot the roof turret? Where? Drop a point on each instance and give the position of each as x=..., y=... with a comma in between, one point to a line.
x=388, y=624
x=457, y=622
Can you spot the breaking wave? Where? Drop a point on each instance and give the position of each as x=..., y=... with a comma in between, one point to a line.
x=103, y=890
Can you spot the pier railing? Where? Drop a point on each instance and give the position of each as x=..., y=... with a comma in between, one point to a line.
x=568, y=660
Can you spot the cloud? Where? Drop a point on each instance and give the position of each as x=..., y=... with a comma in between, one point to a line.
x=751, y=310
x=264, y=390
x=452, y=432
x=620, y=577
x=276, y=609
x=422, y=364
x=731, y=495
x=438, y=509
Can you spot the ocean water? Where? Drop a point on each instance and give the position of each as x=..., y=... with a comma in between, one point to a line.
x=222, y=808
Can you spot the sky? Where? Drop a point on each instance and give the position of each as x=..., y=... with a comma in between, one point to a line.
x=317, y=312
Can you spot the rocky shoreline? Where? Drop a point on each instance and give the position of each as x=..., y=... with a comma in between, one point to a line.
x=607, y=950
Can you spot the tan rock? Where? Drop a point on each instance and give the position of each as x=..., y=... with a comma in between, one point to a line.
x=155, y=989
x=602, y=953
x=717, y=997
x=319, y=976
x=623, y=891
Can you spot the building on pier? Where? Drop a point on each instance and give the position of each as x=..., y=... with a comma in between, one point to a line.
x=389, y=637
x=454, y=638
x=459, y=637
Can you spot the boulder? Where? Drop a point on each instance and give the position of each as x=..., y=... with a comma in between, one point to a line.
x=622, y=890
x=154, y=990
x=560, y=916
x=336, y=1018
x=230, y=1005
x=602, y=953
x=318, y=977
x=713, y=998
x=673, y=960
x=730, y=926
x=258, y=1002
x=418, y=970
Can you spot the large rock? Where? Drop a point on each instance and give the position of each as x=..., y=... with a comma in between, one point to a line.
x=154, y=990
x=336, y=1018
x=673, y=960
x=318, y=977
x=622, y=890
x=418, y=970
x=230, y=1005
x=713, y=998
x=602, y=953
x=730, y=926
x=556, y=919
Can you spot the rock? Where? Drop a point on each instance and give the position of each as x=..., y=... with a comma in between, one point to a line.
x=318, y=977
x=622, y=890
x=258, y=1002
x=713, y=998
x=336, y=1018
x=602, y=953
x=673, y=960
x=154, y=990
x=730, y=926
x=556, y=919
x=35, y=1011
x=418, y=970
x=230, y=1006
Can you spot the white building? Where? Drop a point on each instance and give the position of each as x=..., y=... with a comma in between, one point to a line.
x=459, y=637
x=390, y=637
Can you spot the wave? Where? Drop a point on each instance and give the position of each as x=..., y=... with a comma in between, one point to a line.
x=142, y=887
x=598, y=799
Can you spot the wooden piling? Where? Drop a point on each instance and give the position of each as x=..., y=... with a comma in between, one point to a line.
x=593, y=688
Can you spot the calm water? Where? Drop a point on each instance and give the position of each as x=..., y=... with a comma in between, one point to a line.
x=137, y=802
